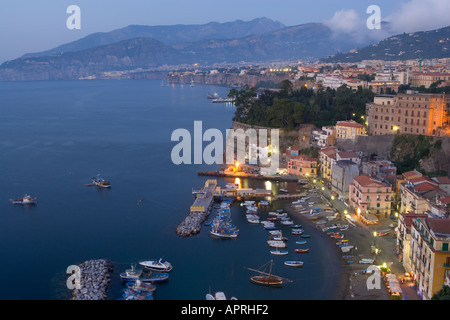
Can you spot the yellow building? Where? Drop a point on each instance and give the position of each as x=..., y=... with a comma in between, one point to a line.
x=429, y=254
x=349, y=129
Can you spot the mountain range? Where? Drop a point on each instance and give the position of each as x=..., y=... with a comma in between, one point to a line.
x=132, y=47
x=406, y=46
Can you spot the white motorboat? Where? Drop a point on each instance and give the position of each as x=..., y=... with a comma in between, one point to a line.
x=25, y=200
x=276, y=244
x=157, y=265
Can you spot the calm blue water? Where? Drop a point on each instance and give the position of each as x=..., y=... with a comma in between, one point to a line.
x=55, y=136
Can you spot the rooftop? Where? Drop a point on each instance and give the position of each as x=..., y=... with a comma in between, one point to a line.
x=351, y=123
x=366, y=181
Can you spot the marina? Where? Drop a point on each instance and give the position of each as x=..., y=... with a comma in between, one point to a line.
x=143, y=207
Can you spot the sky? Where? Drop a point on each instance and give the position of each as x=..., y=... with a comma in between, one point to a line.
x=38, y=25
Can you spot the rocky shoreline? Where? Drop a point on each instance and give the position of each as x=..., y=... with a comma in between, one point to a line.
x=95, y=280
x=192, y=224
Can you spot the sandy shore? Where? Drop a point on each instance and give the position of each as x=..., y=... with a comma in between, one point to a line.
x=353, y=281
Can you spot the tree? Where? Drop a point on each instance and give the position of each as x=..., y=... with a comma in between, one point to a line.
x=443, y=294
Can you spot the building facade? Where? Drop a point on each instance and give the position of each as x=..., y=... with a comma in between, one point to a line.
x=349, y=129
x=410, y=113
x=302, y=166
x=368, y=195
x=429, y=254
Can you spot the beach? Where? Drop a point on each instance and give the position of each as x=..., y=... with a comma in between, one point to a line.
x=353, y=282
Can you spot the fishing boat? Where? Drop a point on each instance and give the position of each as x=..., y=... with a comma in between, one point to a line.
x=144, y=275
x=287, y=222
x=224, y=233
x=160, y=265
x=251, y=218
x=301, y=242
x=305, y=236
x=294, y=263
x=267, y=278
x=284, y=190
x=138, y=285
x=25, y=200
x=100, y=182
x=296, y=226
x=130, y=294
x=302, y=250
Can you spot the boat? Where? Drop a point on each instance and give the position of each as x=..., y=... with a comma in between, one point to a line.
x=192, y=83
x=296, y=226
x=301, y=242
x=297, y=232
x=222, y=100
x=25, y=200
x=212, y=96
x=284, y=190
x=100, y=182
x=276, y=243
x=160, y=265
x=130, y=294
x=305, y=236
x=264, y=202
x=144, y=275
x=279, y=252
x=138, y=285
x=287, y=222
x=302, y=250
x=294, y=263
x=223, y=233
x=267, y=278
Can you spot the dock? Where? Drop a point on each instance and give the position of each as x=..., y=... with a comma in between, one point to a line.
x=290, y=196
x=199, y=210
x=282, y=178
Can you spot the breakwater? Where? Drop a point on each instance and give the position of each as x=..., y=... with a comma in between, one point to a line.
x=192, y=224
x=94, y=280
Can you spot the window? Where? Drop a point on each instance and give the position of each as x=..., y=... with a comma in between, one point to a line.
x=445, y=246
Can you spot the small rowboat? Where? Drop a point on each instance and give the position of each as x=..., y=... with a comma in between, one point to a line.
x=300, y=242
x=293, y=263
x=296, y=232
x=279, y=252
x=301, y=250
x=305, y=236
x=296, y=226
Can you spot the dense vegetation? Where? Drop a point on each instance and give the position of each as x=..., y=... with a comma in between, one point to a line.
x=289, y=108
x=443, y=294
x=407, y=150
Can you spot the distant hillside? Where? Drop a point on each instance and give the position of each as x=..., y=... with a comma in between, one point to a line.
x=127, y=54
x=424, y=44
x=169, y=34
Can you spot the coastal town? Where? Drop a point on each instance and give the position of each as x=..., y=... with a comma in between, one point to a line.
x=399, y=218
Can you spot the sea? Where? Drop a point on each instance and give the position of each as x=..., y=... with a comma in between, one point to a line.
x=56, y=135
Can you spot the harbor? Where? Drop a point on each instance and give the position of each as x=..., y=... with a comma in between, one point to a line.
x=220, y=173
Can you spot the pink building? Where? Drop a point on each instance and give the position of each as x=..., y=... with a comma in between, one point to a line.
x=368, y=195
x=302, y=166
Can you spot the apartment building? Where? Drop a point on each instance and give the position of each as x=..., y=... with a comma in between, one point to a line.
x=427, y=79
x=429, y=254
x=349, y=129
x=409, y=113
x=327, y=157
x=343, y=173
x=370, y=196
x=302, y=166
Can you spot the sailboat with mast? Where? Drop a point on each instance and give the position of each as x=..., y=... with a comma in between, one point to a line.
x=267, y=278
